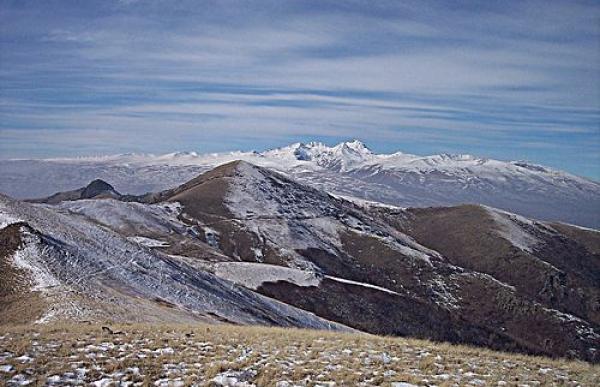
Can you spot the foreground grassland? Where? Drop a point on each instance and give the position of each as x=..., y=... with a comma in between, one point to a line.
x=225, y=355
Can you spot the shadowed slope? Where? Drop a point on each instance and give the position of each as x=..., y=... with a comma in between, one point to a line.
x=544, y=264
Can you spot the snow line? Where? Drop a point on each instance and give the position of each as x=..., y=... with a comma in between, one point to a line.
x=363, y=284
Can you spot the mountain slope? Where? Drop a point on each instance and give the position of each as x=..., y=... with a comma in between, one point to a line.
x=348, y=169
x=542, y=262
x=85, y=271
x=18, y=304
x=349, y=263
x=468, y=274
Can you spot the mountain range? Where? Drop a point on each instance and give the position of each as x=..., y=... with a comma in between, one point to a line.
x=250, y=244
x=348, y=169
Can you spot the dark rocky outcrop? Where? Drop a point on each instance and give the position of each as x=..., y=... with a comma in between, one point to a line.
x=97, y=189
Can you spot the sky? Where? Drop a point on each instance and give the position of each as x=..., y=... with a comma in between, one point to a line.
x=511, y=80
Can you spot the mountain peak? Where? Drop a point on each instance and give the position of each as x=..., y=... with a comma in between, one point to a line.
x=229, y=169
x=355, y=145
x=236, y=166
x=97, y=187
x=99, y=183
x=354, y=149
x=340, y=156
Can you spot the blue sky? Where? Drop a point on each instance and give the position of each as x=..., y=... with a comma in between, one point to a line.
x=502, y=79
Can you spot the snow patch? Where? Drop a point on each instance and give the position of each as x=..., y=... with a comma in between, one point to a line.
x=363, y=284
x=233, y=379
x=253, y=275
x=442, y=292
x=367, y=203
x=582, y=228
x=488, y=277
x=148, y=242
x=28, y=257
x=512, y=228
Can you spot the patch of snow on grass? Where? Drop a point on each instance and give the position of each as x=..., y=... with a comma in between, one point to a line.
x=442, y=291
x=512, y=228
x=581, y=227
x=28, y=258
x=363, y=284
x=582, y=327
x=232, y=379
x=488, y=277
x=148, y=242
x=253, y=275
x=366, y=203
x=24, y=359
x=104, y=382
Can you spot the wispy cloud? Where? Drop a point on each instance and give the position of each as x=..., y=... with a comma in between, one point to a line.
x=506, y=80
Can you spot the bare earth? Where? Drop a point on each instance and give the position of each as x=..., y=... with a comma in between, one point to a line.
x=227, y=355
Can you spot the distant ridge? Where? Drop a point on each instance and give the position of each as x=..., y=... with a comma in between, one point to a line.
x=347, y=169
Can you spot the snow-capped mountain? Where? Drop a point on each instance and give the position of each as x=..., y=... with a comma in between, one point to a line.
x=342, y=157
x=348, y=169
x=466, y=274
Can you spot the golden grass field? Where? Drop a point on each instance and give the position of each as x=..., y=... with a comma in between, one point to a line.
x=227, y=355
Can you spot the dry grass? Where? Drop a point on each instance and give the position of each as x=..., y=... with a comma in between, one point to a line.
x=193, y=355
